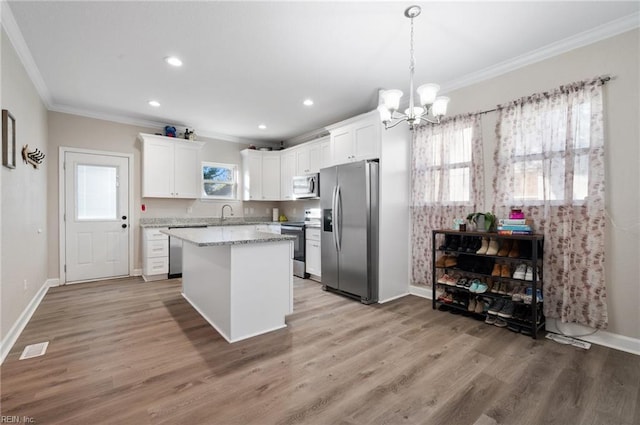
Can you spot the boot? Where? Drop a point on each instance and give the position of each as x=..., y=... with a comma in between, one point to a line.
x=506, y=247
x=484, y=247
x=515, y=250
x=493, y=247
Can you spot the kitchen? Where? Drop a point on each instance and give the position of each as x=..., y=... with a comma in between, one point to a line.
x=136, y=351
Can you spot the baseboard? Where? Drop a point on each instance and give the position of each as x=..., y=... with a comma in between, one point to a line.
x=604, y=338
x=17, y=328
x=52, y=282
x=386, y=300
x=421, y=291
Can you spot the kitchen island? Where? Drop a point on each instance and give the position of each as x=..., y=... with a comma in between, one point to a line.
x=239, y=280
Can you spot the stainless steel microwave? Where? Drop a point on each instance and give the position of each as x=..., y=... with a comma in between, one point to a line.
x=306, y=186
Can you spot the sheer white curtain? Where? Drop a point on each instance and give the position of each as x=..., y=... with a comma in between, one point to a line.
x=550, y=163
x=447, y=183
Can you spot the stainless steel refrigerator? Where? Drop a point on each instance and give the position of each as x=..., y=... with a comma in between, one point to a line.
x=349, y=239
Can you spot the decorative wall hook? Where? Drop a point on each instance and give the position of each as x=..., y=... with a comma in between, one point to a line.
x=32, y=157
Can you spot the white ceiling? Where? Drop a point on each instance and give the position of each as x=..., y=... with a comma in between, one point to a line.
x=247, y=63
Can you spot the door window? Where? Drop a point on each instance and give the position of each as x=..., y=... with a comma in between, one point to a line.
x=97, y=192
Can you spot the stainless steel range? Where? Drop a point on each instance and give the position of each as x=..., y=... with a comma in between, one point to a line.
x=312, y=218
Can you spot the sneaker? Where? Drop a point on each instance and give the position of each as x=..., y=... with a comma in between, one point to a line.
x=529, y=273
x=496, y=306
x=454, y=243
x=451, y=280
x=514, y=327
x=447, y=298
x=527, y=297
x=506, y=310
x=472, y=305
x=482, y=288
x=467, y=284
x=495, y=287
x=490, y=320
x=443, y=279
x=473, y=287
x=506, y=247
x=493, y=247
x=461, y=282
x=520, y=272
x=484, y=247
x=497, y=269
x=440, y=294
x=501, y=323
x=505, y=271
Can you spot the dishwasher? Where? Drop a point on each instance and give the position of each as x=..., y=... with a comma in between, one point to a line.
x=175, y=253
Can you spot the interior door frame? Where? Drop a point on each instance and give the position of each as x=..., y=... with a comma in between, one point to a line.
x=62, y=256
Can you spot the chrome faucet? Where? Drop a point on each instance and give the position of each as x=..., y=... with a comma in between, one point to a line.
x=222, y=215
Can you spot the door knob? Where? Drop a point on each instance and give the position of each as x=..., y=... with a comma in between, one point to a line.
x=124, y=225
x=124, y=217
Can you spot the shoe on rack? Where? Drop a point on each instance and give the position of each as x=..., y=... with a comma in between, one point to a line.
x=504, y=288
x=447, y=239
x=447, y=297
x=528, y=275
x=454, y=243
x=440, y=294
x=464, y=243
x=441, y=261
x=443, y=279
x=496, y=306
x=497, y=270
x=472, y=305
x=494, y=287
x=493, y=247
x=467, y=284
x=451, y=261
x=515, y=250
x=490, y=320
x=521, y=271
x=505, y=248
x=474, y=244
x=505, y=271
x=501, y=323
x=461, y=282
x=480, y=306
x=484, y=247
x=518, y=293
x=513, y=327
x=507, y=310
x=452, y=280
x=473, y=287
x=482, y=288
x=527, y=298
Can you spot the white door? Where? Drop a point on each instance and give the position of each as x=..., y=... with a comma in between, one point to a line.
x=96, y=216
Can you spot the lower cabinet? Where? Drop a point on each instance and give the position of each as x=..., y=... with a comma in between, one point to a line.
x=313, y=253
x=155, y=254
x=495, y=278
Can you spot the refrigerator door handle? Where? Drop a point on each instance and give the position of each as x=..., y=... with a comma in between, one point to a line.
x=334, y=217
x=338, y=218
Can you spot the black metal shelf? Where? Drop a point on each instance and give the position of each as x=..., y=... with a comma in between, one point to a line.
x=536, y=240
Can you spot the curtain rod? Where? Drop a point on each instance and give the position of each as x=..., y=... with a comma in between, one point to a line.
x=603, y=80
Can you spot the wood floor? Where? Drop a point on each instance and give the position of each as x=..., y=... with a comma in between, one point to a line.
x=128, y=352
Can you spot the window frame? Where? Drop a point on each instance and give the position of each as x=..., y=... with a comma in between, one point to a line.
x=233, y=183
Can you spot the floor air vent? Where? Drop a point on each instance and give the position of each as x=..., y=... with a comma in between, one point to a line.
x=34, y=350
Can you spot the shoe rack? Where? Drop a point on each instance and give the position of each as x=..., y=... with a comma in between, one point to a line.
x=475, y=273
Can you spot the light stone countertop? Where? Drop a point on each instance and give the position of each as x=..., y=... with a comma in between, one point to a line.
x=221, y=235
x=202, y=221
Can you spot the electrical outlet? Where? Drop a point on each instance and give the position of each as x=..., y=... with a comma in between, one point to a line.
x=25, y=284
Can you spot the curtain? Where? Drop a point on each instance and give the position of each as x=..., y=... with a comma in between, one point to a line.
x=550, y=163
x=447, y=183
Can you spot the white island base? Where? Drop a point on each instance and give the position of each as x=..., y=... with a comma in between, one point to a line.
x=242, y=290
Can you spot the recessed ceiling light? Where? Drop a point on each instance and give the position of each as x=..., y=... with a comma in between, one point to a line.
x=173, y=61
x=154, y=103
x=262, y=127
x=307, y=102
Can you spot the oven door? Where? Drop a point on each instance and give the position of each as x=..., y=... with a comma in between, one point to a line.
x=298, y=242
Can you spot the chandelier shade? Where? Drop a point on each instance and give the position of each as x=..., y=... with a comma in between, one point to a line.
x=431, y=108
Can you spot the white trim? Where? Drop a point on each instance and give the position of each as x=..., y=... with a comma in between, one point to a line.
x=22, y=50
x=421, y=291
x=14, y=333
x=582, y=39
x=53, y=282
x=395, y=297
x=604, y=338
x=62, y=204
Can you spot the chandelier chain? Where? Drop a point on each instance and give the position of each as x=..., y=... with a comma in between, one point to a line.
x=412, y=64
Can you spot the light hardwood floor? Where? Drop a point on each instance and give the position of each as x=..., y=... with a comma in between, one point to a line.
x=129, y=352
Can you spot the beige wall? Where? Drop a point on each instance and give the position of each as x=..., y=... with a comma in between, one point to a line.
x=618, y=57
x=74, y=131
x=24, y=195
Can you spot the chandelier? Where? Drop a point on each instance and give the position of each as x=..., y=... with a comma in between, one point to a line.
x=432, y=107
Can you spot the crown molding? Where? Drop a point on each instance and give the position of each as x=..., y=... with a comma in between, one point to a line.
x=17, y=40
x=582, y=39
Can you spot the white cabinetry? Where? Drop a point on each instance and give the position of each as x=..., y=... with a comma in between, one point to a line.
x=170, y=167
x=155, y=254
x=261, y=175
x=325, y=152
x=355, y=140
x=308, y=158
x=287, y=171
x=313, y=252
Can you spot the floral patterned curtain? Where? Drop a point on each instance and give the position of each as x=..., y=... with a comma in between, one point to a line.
x=447, y=183
x=550, y=163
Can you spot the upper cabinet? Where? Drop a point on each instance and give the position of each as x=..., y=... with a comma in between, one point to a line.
x=288, y=170
x=308, y=158
x=170, y=167
x=261, y=175
x=356, y=139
